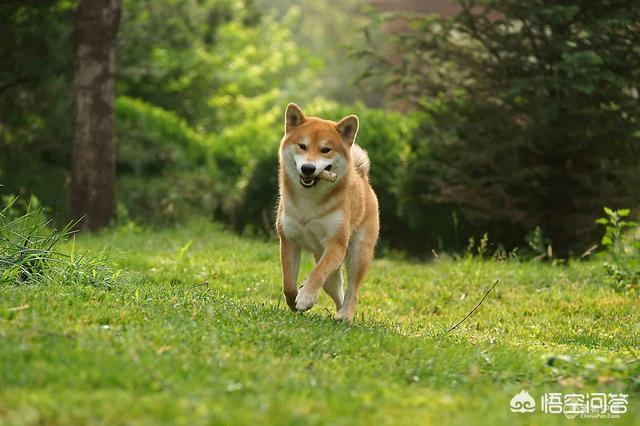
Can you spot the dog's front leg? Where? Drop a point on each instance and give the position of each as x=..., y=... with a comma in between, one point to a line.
x=290, y=265
x=329, y=262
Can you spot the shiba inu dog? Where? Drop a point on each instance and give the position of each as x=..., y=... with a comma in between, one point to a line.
x=337, y=222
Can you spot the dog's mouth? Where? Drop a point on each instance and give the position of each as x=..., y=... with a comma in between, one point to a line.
x=311, y=181
x=308, y=181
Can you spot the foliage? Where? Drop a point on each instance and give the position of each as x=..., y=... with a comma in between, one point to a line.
x=328, y=30
x=514, y=105
x=261, y=70
x=539, y=244
x=162, y=47
x=202, y=86
x=623, y=277
x=623, y=269
x=154, y=139
x=163, y=165
x=35, y=102
x=213, y=63
x=230, y=80
x=534, y=111
x=615, y=224
x=187, y=70
x=198, y=333
x=29, y=252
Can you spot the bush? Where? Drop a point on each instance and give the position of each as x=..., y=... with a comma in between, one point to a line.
x=35, y=102
x=29, y=252
x=153, y=140
x=227, y=71
x=254, y=212
x=535, y=113
x=186, y=70
x=164, y=174
x=168, y=171
x=621, y=239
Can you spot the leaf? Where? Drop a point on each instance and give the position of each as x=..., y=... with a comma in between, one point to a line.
x=602, y=221
x=608, y=211
x=606, y=240
x=624, y=212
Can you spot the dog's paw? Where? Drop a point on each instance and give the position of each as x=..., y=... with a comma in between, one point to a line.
x=344, y=315
x=306, y=298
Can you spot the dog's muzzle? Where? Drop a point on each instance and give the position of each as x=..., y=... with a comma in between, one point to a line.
x=308, y=181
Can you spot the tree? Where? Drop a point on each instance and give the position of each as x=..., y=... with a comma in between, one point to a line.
x=534, y=113
x=94, y=132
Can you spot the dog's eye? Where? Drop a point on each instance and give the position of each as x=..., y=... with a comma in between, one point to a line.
x=325, y=150
x=303, y=147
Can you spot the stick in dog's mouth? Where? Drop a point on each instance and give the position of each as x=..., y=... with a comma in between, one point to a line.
x=327, y=175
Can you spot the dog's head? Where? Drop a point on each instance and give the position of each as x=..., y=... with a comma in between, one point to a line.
x=311, y=145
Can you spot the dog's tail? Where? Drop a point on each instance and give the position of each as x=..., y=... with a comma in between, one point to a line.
x=360, y=160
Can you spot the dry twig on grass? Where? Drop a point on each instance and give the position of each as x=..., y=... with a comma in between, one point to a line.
x=474, y=309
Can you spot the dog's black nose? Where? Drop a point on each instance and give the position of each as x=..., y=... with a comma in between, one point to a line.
x=308, y=169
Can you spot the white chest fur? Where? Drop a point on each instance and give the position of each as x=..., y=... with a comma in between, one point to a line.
x=311, y=232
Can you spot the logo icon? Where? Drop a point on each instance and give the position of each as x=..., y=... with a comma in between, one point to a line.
x=523, y=403
x=594, y=405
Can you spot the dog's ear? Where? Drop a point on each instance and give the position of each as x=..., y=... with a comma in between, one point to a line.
x=348, y=128
x=293, y=117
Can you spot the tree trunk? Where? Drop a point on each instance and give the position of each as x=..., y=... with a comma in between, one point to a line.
x=93, y=173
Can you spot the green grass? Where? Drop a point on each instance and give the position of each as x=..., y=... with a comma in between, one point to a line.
x=195, y=331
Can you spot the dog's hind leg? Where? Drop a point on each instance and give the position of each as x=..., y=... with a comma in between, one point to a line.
x=358, y=259
x=333, y=285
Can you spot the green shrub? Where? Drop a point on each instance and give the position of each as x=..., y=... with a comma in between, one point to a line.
x=164, y=174
x=152, y=140
x=535, y=113
x=209, y=65
x=255, y=211
x=623, y=265
x=167, y=199
x=30, y=252
x=168, y=171
x=36, y=71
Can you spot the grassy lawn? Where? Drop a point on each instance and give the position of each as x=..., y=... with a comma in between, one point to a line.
x=194, y=331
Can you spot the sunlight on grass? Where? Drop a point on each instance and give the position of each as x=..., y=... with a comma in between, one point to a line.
x=198, y=333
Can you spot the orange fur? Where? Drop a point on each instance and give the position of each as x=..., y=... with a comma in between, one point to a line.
x=338, y=222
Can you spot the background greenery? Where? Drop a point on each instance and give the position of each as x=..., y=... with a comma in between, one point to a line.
x=504, y=140
x=505, y=119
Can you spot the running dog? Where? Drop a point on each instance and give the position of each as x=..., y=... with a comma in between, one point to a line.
x=337, y=222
